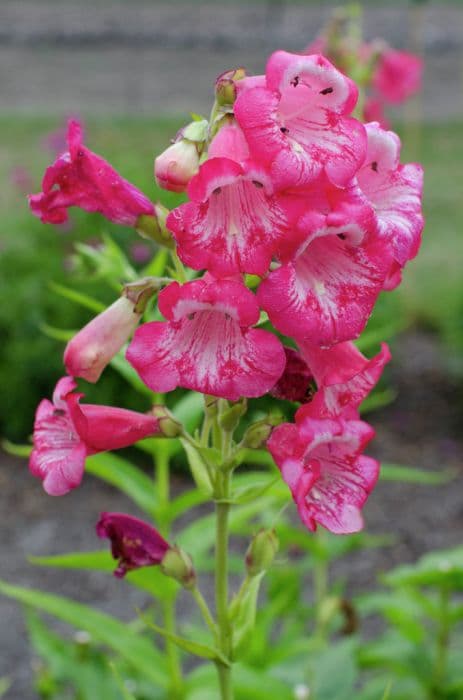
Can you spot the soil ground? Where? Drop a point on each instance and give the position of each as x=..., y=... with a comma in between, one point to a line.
x=420, y=429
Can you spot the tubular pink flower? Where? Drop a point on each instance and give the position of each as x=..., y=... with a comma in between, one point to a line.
x=373, y=111
x=65, y=433
x=80, y=178
x=88, y=353
x=344, y=378
x=398, y=75
x=298, y=124
x=133, y=542
x=206, y=344
x=329, y=478
x=395, y=192
x=325, y=292
x=234, y=222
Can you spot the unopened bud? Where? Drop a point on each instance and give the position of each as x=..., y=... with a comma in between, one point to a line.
x=154, y=227
x=175, y=167
x=261, y=552
x=231, y=417
x=178, y=565
x=259, y=432
x=211, y=405
x=87, y=353
x=225, y=88
x=168, y=426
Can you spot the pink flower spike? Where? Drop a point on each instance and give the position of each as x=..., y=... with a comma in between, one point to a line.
x=65, y=433
x=398, y=75
x=133, y=542
x=395, y=192
x=298, y=125
x=207, y=344
x=344, y=378
x=329, y=478
x=234, y=222
x=83, y=179
x=88, y=353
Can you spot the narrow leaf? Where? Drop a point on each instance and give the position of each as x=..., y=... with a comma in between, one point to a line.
x=135, y=649
x=123, y=475
x=412, y=475
x=149, y=579
x=16, y=450
x=79, y=298
x=201, y=650
x=198, y=468
x=61, y=334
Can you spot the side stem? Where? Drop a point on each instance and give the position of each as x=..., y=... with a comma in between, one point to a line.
x=221, y=586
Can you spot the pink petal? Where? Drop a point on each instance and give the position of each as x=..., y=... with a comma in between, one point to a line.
x=297, y=127
x=398, y=75
x=344, y=377
x=395, y=191
x=58, y=456
x=327, y=293
x=81, y=178
x=205, y=348
x=232, y=225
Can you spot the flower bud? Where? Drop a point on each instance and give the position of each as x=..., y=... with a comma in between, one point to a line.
x=175, y=167
x=154, y=227
x=87, y=353
x=259, y=432
x=231, y=417
x=225, y=88
x=168, y=425
x=261, y=552
x=178, y=565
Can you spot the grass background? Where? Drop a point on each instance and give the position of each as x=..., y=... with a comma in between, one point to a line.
x=32, y=254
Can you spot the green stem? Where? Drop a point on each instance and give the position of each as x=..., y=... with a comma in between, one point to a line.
x=179, y=269
x=442, y=646
x=173, y=656
x=221, y=584
x=162, y=481
x=206, y=613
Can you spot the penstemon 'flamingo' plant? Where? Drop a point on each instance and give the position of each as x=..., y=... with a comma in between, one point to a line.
x=298, y=216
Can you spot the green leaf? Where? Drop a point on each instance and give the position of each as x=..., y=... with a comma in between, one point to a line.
x=198, y=468
x=412, y=475
x=5, y=684
x=245, y=618
x=195, y=648
x=378, y=399
x=135, y=649
x=186, y=501
x=77, y=297
x=442, y=568
x=16, y=450
x=157, y=265
x=127, y=372
x=149, y=578
x=257, y=490
x=123, y=475
x=60, y=334
x=335, y=672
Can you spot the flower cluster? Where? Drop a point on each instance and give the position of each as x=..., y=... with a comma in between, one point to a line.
x=285, y=185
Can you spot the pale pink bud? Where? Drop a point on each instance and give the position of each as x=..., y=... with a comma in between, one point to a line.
x=88, y=353
x=175, y=167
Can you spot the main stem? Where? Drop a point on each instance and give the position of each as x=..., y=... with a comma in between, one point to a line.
x=162, y=479
x=221, y=585
x=442, y=646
